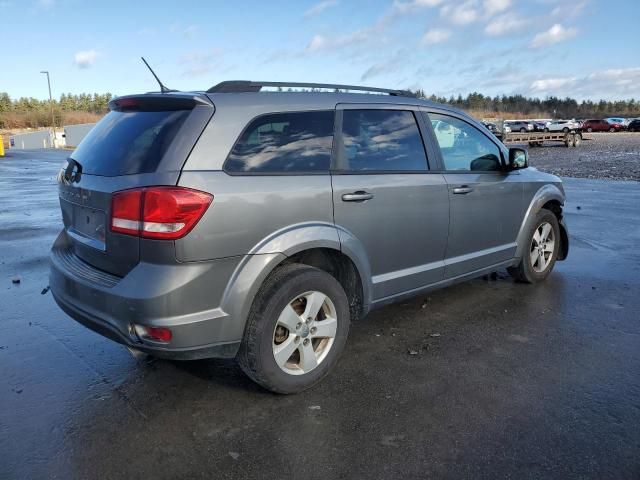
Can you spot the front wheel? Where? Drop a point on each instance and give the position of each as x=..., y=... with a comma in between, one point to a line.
x=612, y=130
x=296, y=330
x=540, y=256
x=589, y=129
x=546, y=129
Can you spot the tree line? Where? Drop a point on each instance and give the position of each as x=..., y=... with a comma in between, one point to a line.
x=30, y=112
x=84, y=102
x=552, y=107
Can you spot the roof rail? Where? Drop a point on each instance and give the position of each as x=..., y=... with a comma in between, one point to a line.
x=239, y=86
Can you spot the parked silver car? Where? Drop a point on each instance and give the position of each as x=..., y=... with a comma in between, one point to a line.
x=258, y=225
x=562, y=126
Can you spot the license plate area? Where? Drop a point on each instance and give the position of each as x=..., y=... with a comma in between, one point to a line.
x=85, y=224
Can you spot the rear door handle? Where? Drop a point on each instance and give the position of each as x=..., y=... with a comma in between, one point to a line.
x=462, y=190
x=359, y=196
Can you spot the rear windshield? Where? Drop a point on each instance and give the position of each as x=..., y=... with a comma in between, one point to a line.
x=125, y=143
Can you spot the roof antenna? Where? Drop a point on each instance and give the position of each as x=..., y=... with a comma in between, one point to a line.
x=163, y=89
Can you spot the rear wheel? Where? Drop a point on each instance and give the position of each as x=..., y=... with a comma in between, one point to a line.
x=612, y=130
x=589, y=129
x=565, y=130
x=296, y=330
x=542, y=250
x=523, y=130
x=546, y=129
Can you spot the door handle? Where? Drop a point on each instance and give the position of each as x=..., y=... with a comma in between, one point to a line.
x=462, y=190
x=359, y=196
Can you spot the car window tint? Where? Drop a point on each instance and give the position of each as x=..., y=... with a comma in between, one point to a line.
x=463, y=146
x=125, y=143
x=381, y=140
x=292, y=142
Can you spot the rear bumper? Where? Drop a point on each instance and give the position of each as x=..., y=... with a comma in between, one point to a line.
x=183, y=297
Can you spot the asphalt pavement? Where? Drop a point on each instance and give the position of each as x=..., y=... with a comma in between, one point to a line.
x=486, y=379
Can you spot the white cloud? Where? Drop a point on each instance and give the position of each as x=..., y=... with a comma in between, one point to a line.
x=462, y=14
x=611, y=83
x=411, y=5
x=435, y=35
x=320, y=42
x=503, y=24
x=491, y=7
x=569, y=9
x=85, y=58
x=557, y=33
x=552, y=84
x=320, y=7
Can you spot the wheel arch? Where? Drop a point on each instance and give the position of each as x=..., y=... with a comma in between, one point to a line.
x=316, y=244
x=551, y=197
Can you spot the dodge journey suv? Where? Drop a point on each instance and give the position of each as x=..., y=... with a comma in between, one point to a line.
x=240, y=222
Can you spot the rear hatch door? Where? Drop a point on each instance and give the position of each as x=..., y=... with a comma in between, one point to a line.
x=144, y=140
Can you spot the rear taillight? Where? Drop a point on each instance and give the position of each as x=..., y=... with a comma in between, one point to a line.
x=158, y=212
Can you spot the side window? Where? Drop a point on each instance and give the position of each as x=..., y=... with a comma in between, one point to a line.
x=292, y=142
x=463, y=146
x=381, y=140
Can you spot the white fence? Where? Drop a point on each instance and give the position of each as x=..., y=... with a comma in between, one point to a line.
x=73, y=134
x=39, y=139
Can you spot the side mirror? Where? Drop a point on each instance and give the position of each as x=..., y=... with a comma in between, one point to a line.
x=518, y=159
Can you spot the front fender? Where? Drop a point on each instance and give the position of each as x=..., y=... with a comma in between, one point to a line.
x=545, y=194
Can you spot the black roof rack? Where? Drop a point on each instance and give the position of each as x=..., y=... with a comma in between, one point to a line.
x=239, y=86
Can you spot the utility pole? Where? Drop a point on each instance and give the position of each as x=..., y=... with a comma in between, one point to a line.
x=53, y=123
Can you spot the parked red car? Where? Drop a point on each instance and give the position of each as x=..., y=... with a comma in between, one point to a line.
x=601, y=126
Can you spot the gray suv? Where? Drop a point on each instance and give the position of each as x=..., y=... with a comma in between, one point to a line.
x=255, y=224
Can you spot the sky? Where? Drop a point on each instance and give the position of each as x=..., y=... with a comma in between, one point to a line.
x=586, y=49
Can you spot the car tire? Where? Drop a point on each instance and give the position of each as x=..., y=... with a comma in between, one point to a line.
x=546, y=129
x=565, y=130
x=589, y=129
x=283, y=300
x=523, y=130
x=612, y=130
x=533, y=267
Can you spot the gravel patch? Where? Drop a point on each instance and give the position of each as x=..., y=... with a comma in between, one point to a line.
x=613, y=156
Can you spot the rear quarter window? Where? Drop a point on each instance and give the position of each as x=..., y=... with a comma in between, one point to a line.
x=291, y=142
x=126, y=143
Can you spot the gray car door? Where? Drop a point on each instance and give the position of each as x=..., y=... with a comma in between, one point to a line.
x=485, y=202
x=386, y=201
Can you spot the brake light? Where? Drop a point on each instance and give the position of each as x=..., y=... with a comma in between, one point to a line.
x=158, y=212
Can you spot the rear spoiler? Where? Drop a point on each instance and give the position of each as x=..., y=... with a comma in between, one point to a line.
x=157, y=102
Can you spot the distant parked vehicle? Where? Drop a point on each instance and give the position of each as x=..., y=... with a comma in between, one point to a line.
x=561, y=126
x=634, y=125
x=613, y=120
x=519, y=126
x=601, y=126
x=492, y=127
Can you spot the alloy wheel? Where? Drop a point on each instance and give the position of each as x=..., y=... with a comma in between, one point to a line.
x=542, y=247
x=304, y=333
